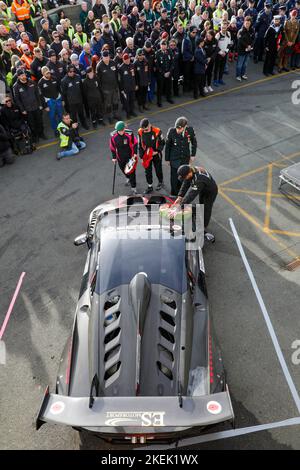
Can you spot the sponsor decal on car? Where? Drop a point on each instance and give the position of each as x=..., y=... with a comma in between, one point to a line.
x=140, y=418
x=57, y=407
x=214, y=407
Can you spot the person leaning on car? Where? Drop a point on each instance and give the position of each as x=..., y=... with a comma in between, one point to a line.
x=181, y=147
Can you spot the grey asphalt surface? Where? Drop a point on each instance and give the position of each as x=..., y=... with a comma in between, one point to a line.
x=45, y=204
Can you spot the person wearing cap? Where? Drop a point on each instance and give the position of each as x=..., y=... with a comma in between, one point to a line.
x=46, y=32
x=128, y=85
x=197, y=181
x=93, y=98
x=71, y=88
x=29, y=101
x=140, y=36
x=118, y=59
x=142, y=76
x=176, y=78
x=164, y=21
x=181, y=147
x=108, y=39
x=149, y=54
x=291, y=31
x=164, y=69
x=55, y=67
x=70, y=141
x=188, y=52
x=252, y=12
x=123, y=147
x=282, y=14
x=107, y=76
x=272, y=42
x=125, y=31
x=264, y=19
x=151, y=144
x=49, y=89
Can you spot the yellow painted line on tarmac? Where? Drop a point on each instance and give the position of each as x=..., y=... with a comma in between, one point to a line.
x=268, y=198
x=285, y=232
x=252, y=220
x=181, y=105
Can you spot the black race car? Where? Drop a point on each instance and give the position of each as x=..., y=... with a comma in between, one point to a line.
x=141, y=364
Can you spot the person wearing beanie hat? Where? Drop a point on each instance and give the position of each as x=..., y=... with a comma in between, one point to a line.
x=55, y=67
x=49, y=89
x=151, y=144
x=123, y=147
x=181, y=147
x=142, y=79
x=291, y=31
x=107, y=77
x=128, y=85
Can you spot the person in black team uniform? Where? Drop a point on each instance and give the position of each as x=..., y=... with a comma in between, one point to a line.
x=181, y=147
x=196, y=181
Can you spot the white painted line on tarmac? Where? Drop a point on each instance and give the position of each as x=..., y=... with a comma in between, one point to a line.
x=279, y=353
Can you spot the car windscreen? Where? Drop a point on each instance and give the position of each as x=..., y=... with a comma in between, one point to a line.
x=163, y=260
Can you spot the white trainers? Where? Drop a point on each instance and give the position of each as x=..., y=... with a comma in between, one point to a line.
x=244, y=77
x=205, y=89
x=239, y=79
x=134, y=191
x=127, y=182
x=210, y=89
x=209, y=237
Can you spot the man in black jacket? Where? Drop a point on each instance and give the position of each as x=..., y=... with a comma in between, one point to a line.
x=245, y=40
x=196, y=181
x=71, y=87
x=18, y=130
x=28, y=100
x=56, y=68
x=128, y=85
x=272, y=41
x=142, y=79
x=107, y=76
x=181, y=147
x=92, y=96
x=38, y=62
x=99, y=9
x=49, y=89
x=164, y=66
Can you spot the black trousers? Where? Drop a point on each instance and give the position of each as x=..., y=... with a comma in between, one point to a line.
x=208, y=200
x=35, y=122
x=128, y=102
x=95, y=108
x=111, y=99
x=270, y=60
x=76, y=110
x=209, y=72
x=187, y=73
x=6, y=157
x=258, y=47
x=175, y=183
x=199, y=83
x=141, y=95
x=163, y=84
x=219, y=67
x=131, y=177
x=156, y=162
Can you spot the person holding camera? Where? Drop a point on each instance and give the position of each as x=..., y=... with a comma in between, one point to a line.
x=70, y=141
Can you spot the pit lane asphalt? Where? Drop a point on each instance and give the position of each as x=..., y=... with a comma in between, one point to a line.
x=45, y=204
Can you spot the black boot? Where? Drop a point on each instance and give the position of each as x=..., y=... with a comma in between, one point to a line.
x=149, y=190
x=94, y=124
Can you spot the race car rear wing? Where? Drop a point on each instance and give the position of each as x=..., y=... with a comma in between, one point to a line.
x=135, y=412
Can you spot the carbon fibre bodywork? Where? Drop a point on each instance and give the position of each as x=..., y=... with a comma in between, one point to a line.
x=142, y=358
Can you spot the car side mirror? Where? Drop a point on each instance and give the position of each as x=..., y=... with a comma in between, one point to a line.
x=81, y=239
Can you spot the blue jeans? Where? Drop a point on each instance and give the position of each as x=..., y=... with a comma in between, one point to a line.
x=56, y=112
x=73, y=150
x=151, y=89
x=241, y=64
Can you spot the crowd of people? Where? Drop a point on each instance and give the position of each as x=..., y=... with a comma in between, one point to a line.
x=126, y=56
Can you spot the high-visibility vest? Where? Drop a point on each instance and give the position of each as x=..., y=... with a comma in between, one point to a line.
x=6, y=16
x=116, y=23
x=34, y=8
x=184, y=22
x=71, y=32
x=81, y=41
x=217, y=17
x=21, y=12
x=27, y=61
x=64, y=139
